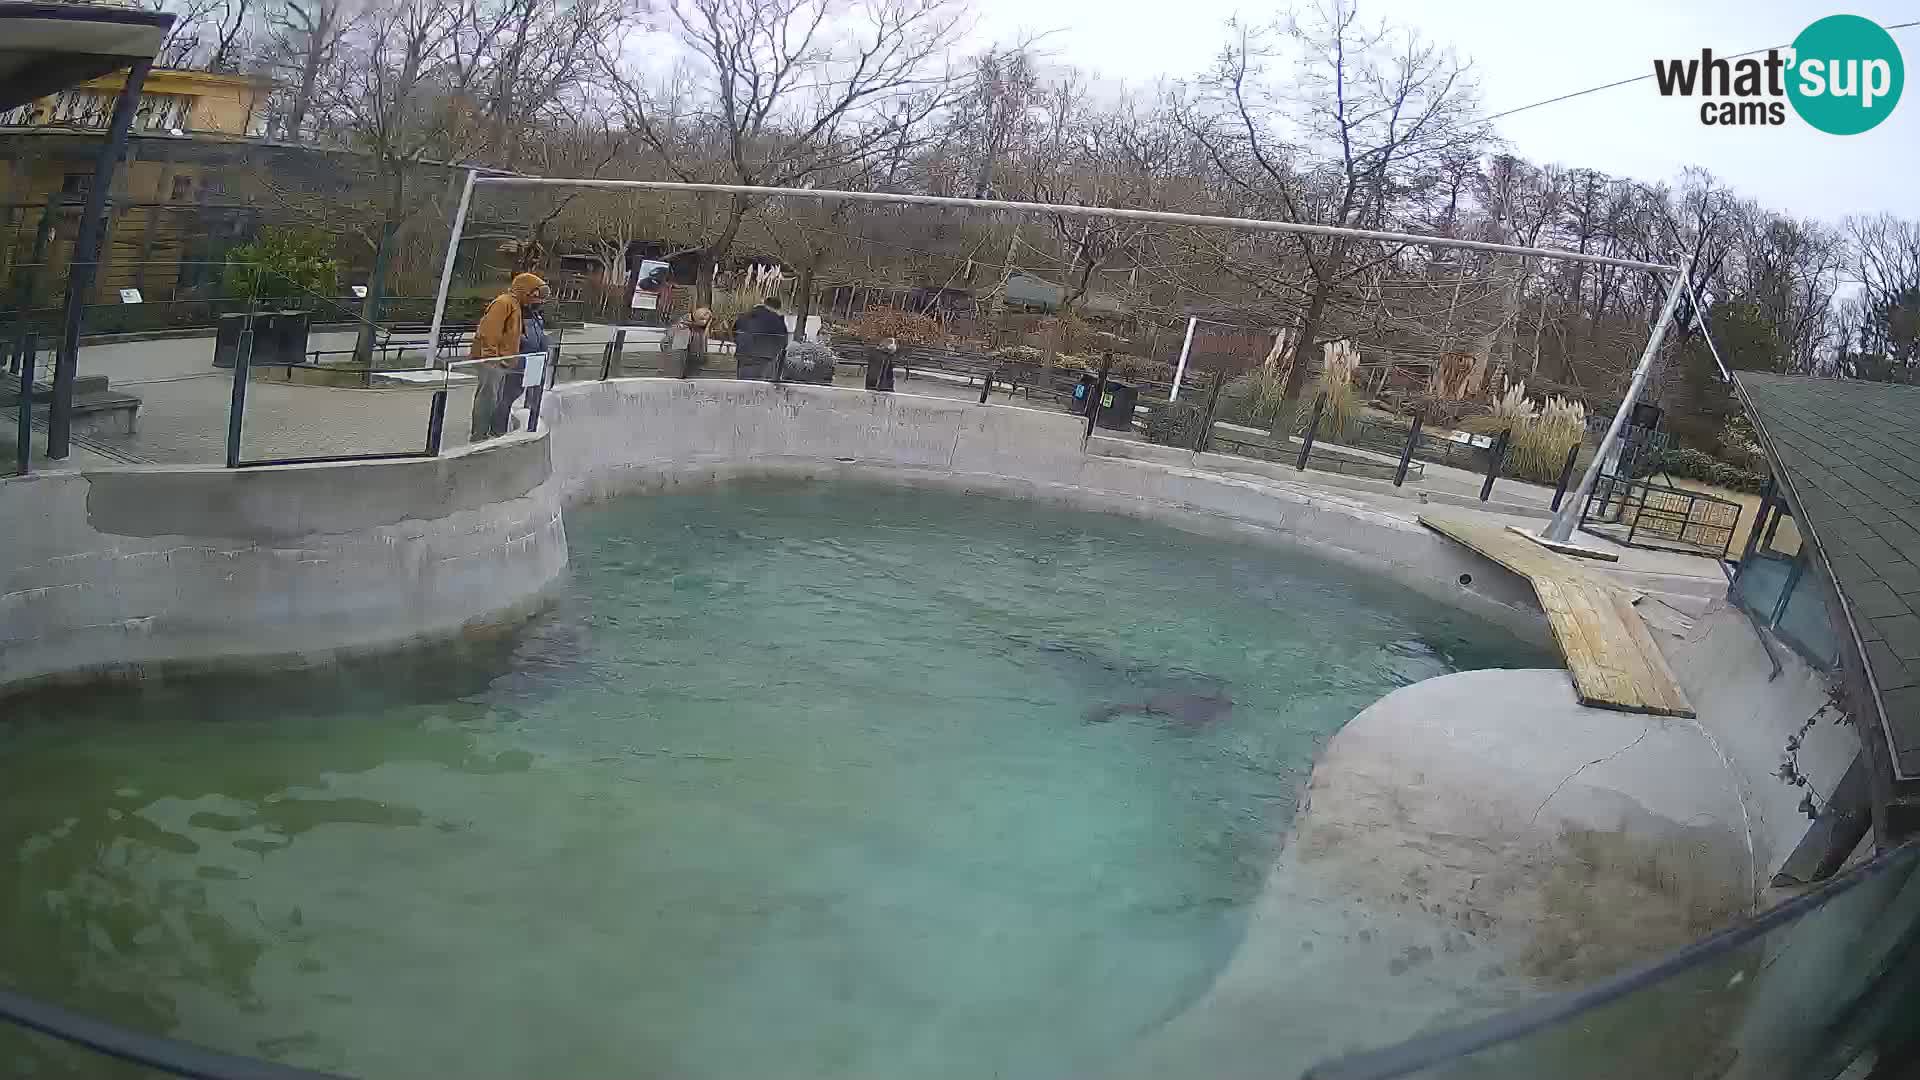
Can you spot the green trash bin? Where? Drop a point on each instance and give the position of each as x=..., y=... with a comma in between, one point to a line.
x=1117, y=402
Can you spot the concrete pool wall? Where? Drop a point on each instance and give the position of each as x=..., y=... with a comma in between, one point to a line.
x=117, y=573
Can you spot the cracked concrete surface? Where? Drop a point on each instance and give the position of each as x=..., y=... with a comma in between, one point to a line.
x=1468, y=843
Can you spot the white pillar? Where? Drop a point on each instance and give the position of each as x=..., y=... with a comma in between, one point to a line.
x=1180, y=370
x=446, y=269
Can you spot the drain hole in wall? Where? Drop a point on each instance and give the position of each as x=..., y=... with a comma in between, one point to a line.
x=1466, y=579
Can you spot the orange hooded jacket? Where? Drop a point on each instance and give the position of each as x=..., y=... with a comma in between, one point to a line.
x=499, y=331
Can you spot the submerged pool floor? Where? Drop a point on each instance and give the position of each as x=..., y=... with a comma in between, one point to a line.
x=795, y=782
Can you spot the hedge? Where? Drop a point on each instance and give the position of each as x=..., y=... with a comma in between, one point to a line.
x=1696, y=465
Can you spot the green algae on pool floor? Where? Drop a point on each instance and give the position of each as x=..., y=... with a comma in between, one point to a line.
x=795, y=781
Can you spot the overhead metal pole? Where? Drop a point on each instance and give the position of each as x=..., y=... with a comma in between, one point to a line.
x=1180, y=371
x=84, y=268
x=446, y=269
x=1560, y=529
x=1076, y=210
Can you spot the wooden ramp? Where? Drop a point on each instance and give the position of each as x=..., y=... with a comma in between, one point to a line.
x=1614, y=659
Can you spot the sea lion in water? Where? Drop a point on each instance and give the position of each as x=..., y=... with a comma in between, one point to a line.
x=1186, y=712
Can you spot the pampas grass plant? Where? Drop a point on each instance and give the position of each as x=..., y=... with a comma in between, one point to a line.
x=1343, y=403
x=1542, y=434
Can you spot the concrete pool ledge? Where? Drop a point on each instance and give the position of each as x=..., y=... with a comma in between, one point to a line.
x=123, y=573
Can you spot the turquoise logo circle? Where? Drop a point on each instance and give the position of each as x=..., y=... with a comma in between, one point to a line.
x=1847, y=74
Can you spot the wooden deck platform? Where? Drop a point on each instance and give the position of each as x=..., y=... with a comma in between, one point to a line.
x=1613, y=658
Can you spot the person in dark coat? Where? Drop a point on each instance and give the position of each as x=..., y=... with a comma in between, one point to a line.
x=533, y=339
x=759, y=338
x=880, y=360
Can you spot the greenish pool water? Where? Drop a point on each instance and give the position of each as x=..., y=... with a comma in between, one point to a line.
x=793, y=782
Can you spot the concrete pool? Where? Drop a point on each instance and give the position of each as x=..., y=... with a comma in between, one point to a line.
x=136, y=575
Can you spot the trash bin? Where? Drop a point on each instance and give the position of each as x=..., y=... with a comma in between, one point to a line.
x=266, y=338
x=226, y=340
x=1082, y=395
x=290, y=337
x=1116, y=406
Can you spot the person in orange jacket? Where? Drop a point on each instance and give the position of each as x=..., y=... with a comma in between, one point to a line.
x=497, y=341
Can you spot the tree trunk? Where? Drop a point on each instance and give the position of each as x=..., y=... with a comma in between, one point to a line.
x=377, y=282
x=803, y=297
x=303, y=97
x=716, y=251
x=1303, y=347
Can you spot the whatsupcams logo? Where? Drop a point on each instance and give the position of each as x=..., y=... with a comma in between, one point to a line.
x=1843, y=75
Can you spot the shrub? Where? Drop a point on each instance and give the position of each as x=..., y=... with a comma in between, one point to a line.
x=1696, y=465
x=1259, y=394
x=1018, y=354
x=1740, y=446
x=809, y=361
x=1138, y=367
x=284, y=264
x=1174, y=423
x=910, y=328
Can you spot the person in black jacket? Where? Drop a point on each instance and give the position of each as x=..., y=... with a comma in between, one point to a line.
x=759, y=338
x=880, y=360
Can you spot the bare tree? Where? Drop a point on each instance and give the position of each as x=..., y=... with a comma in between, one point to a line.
x=206, y=34
x=1883, y=261
x=541, y=53
x=303, y=39
x=397, y=93
x=780, y=92
x=1368, y=106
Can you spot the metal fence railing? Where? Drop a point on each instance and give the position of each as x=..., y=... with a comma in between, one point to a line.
x=1641, y=513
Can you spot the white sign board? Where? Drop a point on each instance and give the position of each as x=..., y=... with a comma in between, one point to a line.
x=642, y=299
x=130, y=296
x=535, y=371
x=360, y=291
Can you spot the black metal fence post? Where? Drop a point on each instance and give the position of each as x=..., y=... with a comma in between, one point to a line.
x=1406, y=452
x=23, y=438
x=1495, y=458
x=986, y=385
x=436, y=422
x=1759, y=522
x=83, y=268
x=1205, y=435
x=237, y=405
x=1313, y=426
x=1566, y=475
x=1098, y=391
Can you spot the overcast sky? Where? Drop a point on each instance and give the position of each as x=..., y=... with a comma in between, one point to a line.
x=1525, y=50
